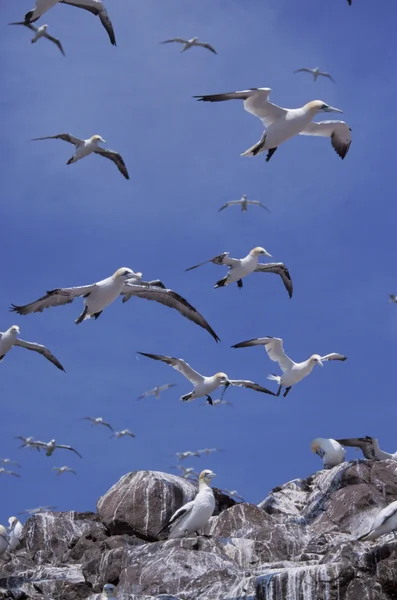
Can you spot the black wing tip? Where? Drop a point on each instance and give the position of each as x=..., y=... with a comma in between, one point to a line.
x=154, y=356
x=18, y=309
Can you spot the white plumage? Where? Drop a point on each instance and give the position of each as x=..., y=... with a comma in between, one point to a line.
x=329, y=450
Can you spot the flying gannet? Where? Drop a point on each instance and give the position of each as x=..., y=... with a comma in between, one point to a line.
x=385, y=522
x=64, y=469
x=99, y=295
x=187, y=472
x=27, y=442
x=52, y=445
x=233, y=493
x=329, y=450
x=39, y=33
x=190, y=43
x=316, y=73
x=123, y=433
x=4, y=544
x=156, y=391
x=4, y=471
x=8, y=339
x=243, y=202
x=284, y=123
x=186, y=454
x=97, y=421
x=209, y=451
x=86, y=147
x=292, y=372
x=108, y=591
x=93, y=6
x=15, y=532
x=369, y=447
x=194, y=516
x=241, y=267
x=37, y=510
x=202, y=385
x=8, y=461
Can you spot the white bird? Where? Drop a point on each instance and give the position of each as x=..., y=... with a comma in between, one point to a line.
x=369, y=447
x=190, y=43
x=393, y=298
x=27, y=442
x=385, y=522
x=292, y=372
x=186, y=454
x=123, y=433
x=39, y=33
x=6, y=472
x=187, y=472
x=8, y=339
x=52, y=445
x=203, y=386
x=97, y=421
x=85, y=147
x=241, y=267
x=329, y=450
x=156, y=391
x=4, y=543
x=8, y=461
x=209, y=451
x=64, y=469
x=108, y=591
x=243, y=202
x=101, y=294
x=194, y=516
x=316, y=73
x=15, y=532
x=37, y=510
x=233, y=493
x=93, y=6
x=284, y=123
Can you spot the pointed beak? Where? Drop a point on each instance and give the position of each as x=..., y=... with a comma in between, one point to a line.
x=320, y=363
x=332, y=109
x=266, y=253
x=227, y=384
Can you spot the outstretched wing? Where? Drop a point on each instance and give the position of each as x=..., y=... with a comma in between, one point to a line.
x=230, y=203
x=28, y=25
x=304, y=70
x=41, y=350
x=68, y=448
x=334, y=356
x=329, y=76
x=115, y=157
x=274, y=348
x=251, y=385
x=180, y=40
x=365, y=444
x=66, y=137
x=179, y=365
x=96, y=8
x=278, y=269
x=205, y=45
x=257, y=203
x=338, y=131
x=57, y=297
x=221, y=259
x=56, y=41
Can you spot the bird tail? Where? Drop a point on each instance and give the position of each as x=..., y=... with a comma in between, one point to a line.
x=221, y=282
x=274, y=377
x=186, y=398
x=256, y=148
x=28, y=16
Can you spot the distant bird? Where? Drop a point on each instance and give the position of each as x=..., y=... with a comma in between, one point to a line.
x=186, y=454
x=5, y=472
x=218, y=402
x=123, y=433
x=4, y=543
x=369, y=447
x=349, y=2
x=243, y=202
x=194, y=516
x=97, y=421
x=27, y=442
x=37, y=510
x=208, y=451
x=241, y=267
x=8, y=461
x=329, y=450
x=8, y=339
x=108, y=591
x=101, y=294
x=64, y=469
x=93, y=6
x=385, y=522
x=203, y=386
x=284, y=123
x=15, y=533
x=156, y=391
x=40, y=32
x=234, y=494
x=190, y=43
x=292, y=372
x=393, y=298
x=51, y=446
x=316, y=73
x=187, y=472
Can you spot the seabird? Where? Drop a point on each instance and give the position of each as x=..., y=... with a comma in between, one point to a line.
x=5, y=472
x=64, y=470
x=316, y=73
x=86, y=147
x=124, y=432
x=194, y=516
x=4, y=544
x=284, y=123
x=187, y=472
x=93, y=6
x=97, y=421
x=190, y=43
x=208, y=451
x=329, y=450
x=202, y=385
x=241, y=267
x=385, y=522
x=15, y=532
x=8, y=461
x=156, y=391
x=186, y=454
x=27, y=442
x=39, y=33
x=369, y=447
x=233, y=493
x=243, y=202
x=292, y=372
x=52, y=445
x=393, y=298
x=8, y=339
x=38, y=510
x=99, y=295
x=108, y=591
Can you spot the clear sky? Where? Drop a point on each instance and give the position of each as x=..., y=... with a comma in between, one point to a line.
x=332, y=224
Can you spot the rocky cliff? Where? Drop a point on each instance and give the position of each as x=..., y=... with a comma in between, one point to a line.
x=298, y=544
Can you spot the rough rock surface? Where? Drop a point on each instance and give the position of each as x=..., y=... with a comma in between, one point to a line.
x=298, y=544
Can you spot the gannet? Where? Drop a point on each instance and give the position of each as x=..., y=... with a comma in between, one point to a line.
x=93, y=6
x=97, y=421
x=233, y=493
x=284, y=123
x=187, y=472
x=208, y=451
x=39, y=33
x=243, y=202
x=15, y=532
x=292, y=372
x=385, y=522
x=36, y=511
x=369, y=447
x=27, y=442
x=108, y=591
x=241, y=267
x=8, y=461
x=202, y=385
x=64, y=469
x=194, y=516
x=4, y=544
x=316, y=73
x=5, y=472
x=393, y=298
x=99, y=295
x=190, y=43
x=329, y=450
x=156, y=391
x=8, y=339
x=52, y=445
x=186, y=454
x=124, y=432
x=86, y=147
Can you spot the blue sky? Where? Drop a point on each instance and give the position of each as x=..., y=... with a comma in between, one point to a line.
x=332, y=223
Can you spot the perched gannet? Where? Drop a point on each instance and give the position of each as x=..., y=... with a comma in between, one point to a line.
x=203, y=386
x=316, y=73
x=8, y=339
x=208, y=451
x=233, y=493
x=27, y=442
x=194, y=516
x=93, y=6
x=186, y=454
x=190, y=43
x=156, y=391
x=243, y=202
x=241, y=267
x=369, y=447
x=99, y=295
x=5, y=472
x=8, y=461
x=393, y=298
x=187, y=472
x=284, y=123
x=4, y=544
x=108, y=591
x=15, y=532
x=65, y=469
x=292, y=372
x=385, y=522
x=52, y=445
x=86, y=147
x=123, y=433
x=97, y=421
x=329, y=450
x=40, y=32
x=37, y=510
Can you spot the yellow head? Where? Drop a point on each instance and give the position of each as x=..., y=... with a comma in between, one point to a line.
x=316, y=445
x=316, y=359
x=97, y=138
x=15, y=329
x=124, y=273
x=258, y=251
x=222, y=378
x=206, y=476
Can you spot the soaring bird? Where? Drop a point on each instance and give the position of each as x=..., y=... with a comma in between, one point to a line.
x=16, y=528
x=28, y=442
x=51, y=446
x=190, y=43
x=292, y=372
x=64, y=469
x=186, y=454
x=8, y=339
x=369, y=447
x=39, y=33
x=243, y=202
x=6, y=472
x=8, y=461
x=123, y=433
x=187, y=472
x=97, y=421
x=329, y=450
x=385, y=522
x=156, y=391
x=284, y=123
x=316, y=73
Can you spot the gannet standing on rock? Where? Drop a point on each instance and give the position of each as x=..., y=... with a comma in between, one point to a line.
x=385, y=522
x=194, y=516
x=15, y=532
x=4, y=544
x=369, y=447
x=329, y=450
x=8, y=339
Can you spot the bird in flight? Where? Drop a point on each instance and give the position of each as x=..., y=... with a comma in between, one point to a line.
x=61, y=470
x=123, y=433
x=316, y=73
x=243, y=202
x=97, y=421
x=190, y=43
x=156, y=391
x=40, y=32
x=51, y=446
x=8, y=339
